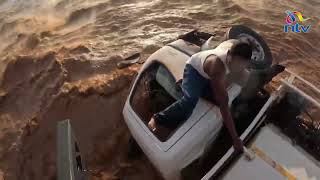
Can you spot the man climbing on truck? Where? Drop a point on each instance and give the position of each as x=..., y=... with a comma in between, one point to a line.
x=207, y=70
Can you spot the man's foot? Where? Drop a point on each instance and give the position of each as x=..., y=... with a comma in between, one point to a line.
x=160, y=131
x=152, y=125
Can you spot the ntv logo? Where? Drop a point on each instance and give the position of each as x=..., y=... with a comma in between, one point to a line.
x=293, y=25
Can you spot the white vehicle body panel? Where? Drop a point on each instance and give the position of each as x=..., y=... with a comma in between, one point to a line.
x=187, y=144
x=191, y=138
x=280, y=148
x=294, y=162
x=256, y=169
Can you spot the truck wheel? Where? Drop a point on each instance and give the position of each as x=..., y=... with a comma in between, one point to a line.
x=261, y=55
x=134, y=150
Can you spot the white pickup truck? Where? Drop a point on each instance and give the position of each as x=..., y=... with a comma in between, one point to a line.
x=200, y=148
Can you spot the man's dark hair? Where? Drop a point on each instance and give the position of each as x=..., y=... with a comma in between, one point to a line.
x=243, y=50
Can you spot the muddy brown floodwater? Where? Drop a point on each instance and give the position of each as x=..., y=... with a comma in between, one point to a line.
x=58, y=61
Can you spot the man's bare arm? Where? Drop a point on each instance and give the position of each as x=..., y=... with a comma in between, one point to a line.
x=221, y=96
x=215, y=70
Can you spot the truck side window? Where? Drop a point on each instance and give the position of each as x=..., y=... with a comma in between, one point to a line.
x=155, y=90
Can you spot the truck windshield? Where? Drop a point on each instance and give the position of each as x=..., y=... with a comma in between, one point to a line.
x=155, y=90
x=167, y=81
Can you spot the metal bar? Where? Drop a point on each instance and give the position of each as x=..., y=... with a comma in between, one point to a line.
x=179, y=49
x=291, y=78
x=305, y=81
x=65, y=164
x=309, y=98
x=229, y=153
x=272, y=163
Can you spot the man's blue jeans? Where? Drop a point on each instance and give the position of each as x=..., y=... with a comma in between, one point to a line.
x=193, y=87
